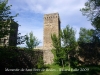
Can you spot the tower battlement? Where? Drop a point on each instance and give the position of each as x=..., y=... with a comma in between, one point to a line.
x=51, y=16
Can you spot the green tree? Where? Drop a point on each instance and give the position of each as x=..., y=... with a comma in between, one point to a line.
x=85, y=35
x=92, y=11
x=69, y=41
x=57, y=49
x=20, y=39
x=88, y=47
x=67, y=36
x=5, y=18
x=31, y=41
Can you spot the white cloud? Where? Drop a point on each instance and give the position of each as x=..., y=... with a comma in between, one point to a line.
x=48, y=6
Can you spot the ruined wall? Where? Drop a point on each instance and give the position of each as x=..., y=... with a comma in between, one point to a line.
x=48, y=57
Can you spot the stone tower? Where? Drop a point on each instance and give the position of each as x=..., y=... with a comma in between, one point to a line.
x=51, y=26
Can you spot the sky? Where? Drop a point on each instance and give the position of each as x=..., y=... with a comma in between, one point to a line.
x=31, y=13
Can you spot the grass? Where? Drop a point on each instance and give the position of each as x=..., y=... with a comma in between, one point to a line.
x=56, y=70
x=51, y=70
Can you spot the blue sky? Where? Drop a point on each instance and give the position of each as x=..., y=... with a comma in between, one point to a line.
x=31, y=14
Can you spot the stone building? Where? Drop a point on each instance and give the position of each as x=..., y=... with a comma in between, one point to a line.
x=51, y=26
x=11, y=38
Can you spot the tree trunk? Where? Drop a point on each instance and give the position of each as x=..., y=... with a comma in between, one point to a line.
x=62, y=63
x=68, y=61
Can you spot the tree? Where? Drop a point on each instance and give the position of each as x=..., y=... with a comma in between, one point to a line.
x=60, y=54
x=88, y=47
x=57, y=49
x=69, y=41
x=31, y=41
x=85, y=35
x=92, y=11
x=56, y=41
x=5, y=18
x=67, y=36
x=20, y=39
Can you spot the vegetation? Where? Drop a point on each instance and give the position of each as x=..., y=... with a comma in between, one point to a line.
x=18, y=58
x=5, y=18
x=85, y=35
x=67, y=36
x=20, y=39
x=31, y=41
x=90, y=47
x=92, y=11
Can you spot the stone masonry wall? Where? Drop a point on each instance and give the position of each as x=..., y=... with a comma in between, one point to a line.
x=51, y=26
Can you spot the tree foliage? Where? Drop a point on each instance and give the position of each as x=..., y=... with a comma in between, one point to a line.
x=67, y=36
x=92, y=11
x=6, y=22
x=20, y=39
x=89, y=45
x=56, y=41
x=57, y=48
x=5, y=18
x=31, y=41
x=86, y=35
x=69, y=41
x=89, y=39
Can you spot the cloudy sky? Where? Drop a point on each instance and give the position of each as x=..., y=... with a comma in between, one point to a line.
x=31, y=14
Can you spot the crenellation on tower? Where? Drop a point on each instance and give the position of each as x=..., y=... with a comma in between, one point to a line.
x=51, y=16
